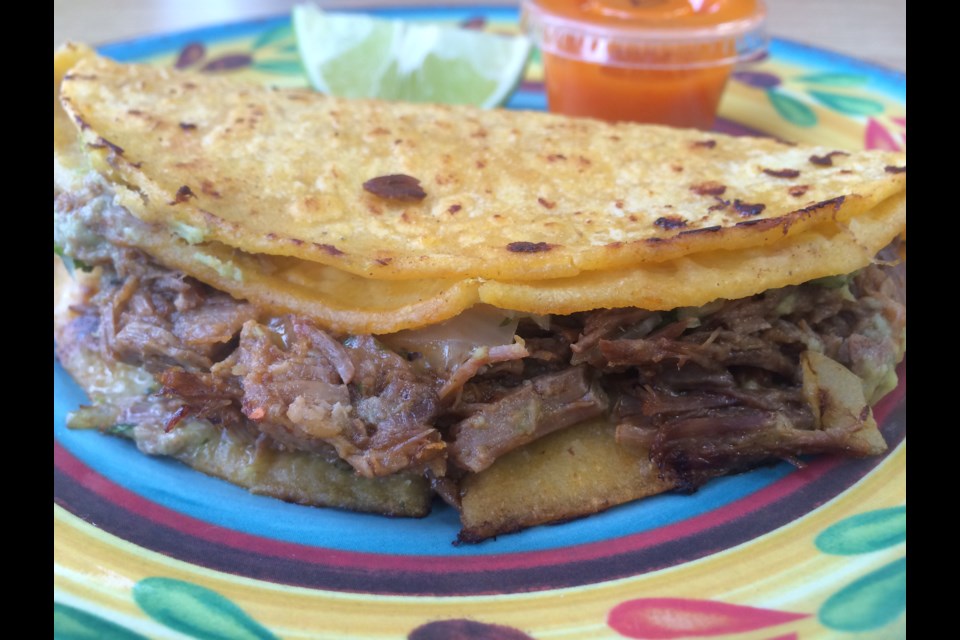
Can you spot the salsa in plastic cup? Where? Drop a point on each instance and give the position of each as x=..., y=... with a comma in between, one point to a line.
x=660, y=61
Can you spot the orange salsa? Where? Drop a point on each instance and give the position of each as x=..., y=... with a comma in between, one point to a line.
x=661, y=61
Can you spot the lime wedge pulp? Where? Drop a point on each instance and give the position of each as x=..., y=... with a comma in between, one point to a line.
x=358, y=56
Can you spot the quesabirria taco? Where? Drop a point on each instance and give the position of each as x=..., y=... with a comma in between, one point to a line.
x=362, y=304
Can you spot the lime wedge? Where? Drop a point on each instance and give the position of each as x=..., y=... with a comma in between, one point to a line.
x=357, y=56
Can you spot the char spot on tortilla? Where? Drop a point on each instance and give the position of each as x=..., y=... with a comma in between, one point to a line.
x=746, y=210
x=760, y=223
x=782, y=173
x=184, y=193
x=832, y=202
x=103, y=143
x=827, y=160
x=690, y=232
x=798, y=190
x=529, y=247
x=329, y=248
x=709, y=188
x=892, y=169
x=721, y=204
x=396, y=186
x=670, y=222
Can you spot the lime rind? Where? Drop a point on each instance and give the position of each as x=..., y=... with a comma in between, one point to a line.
x=354, y=55
x=336, y=47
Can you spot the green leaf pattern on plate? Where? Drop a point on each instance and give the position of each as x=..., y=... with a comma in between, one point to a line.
x=835, y=79
x=865, y=532
x=73, y=624
x=850, y=105
x=869, y=602
x=196, y=611
x=285, y=67
x=283, y=32
x=832, y=90
x=879, y=597
x=791, y=109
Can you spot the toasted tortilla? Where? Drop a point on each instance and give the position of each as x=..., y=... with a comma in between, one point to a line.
x=826, y=250
x=568, y=474
x=855, y=207
x=509, y=196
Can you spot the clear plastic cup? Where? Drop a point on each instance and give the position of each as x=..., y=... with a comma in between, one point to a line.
x=660, y=61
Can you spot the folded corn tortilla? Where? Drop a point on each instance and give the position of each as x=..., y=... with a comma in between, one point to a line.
x=311, y=223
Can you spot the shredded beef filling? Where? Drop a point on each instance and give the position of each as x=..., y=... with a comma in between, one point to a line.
x=721, y=391
x=535, y=408
x=705, y=391
x=160, y=319
x=307, y=391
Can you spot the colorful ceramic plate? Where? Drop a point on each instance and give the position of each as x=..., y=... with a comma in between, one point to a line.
x=147, y=547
